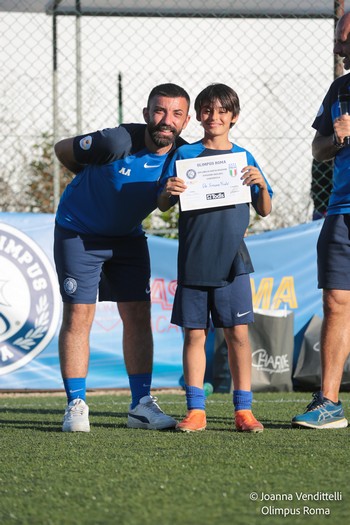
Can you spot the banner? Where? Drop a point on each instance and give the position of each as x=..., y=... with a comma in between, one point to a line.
x=30, y=304
x=285, y=276
x=271, y=340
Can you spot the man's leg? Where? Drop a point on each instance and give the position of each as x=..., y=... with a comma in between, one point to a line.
x=138, y=355
x=333, y=253
x=78, y=260
x=74, y=360
x=335, y=340
x=137, y=336
x=74, y=339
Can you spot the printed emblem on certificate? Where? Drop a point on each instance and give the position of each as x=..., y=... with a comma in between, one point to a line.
x=213, y=181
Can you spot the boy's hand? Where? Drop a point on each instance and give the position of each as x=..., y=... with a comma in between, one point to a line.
x=174, y=186
x=251, y=175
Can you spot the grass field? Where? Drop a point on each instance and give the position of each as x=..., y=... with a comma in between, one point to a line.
x=114, y=475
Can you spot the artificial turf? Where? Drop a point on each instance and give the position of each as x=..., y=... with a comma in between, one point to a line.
x=115, y=475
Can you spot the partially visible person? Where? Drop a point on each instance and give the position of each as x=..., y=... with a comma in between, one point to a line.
x=333, y=249
x=214, y=264
x=321, y=187
x=101, y=249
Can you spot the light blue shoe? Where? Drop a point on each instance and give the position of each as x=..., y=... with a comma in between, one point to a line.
x=321, y=413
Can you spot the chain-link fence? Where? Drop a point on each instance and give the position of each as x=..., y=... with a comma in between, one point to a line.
x=72, y=66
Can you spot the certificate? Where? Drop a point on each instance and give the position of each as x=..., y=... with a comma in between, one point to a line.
x=213, y=181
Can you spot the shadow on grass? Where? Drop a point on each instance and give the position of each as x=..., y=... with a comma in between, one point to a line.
x=31, y=425
x=19, y=410
x=277, y=425
x=115, y=420
x=50, y=426
x=213, y=422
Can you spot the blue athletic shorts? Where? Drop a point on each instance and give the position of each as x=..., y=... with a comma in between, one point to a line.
x=333, y=253
x=105, y=268
x=228, y=305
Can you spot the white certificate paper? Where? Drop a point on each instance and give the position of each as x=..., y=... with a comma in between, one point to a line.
x=213, y=181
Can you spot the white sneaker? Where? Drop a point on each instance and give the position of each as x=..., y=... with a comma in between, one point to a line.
x=147, y=414
x=76, y=417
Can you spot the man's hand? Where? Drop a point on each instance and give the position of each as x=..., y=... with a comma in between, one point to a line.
x=341, y=128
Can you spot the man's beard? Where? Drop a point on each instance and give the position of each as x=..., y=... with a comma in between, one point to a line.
x=158, y=139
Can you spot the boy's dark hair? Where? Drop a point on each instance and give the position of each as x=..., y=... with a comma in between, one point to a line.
x=227, y=97
x=168, y=90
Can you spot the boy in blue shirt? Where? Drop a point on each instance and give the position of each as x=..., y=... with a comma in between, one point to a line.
x=214, y=263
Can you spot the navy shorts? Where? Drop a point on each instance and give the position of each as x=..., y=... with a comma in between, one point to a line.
x=105, y=268
x=227, y=306
x=333, y=253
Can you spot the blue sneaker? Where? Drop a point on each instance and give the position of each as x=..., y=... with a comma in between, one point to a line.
x=321, y=413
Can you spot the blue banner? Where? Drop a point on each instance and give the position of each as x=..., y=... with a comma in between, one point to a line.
x=30, y=304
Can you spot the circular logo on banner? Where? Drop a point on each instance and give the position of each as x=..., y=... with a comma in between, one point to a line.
x=29, y=301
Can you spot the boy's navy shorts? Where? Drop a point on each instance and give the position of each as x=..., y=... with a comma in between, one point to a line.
x=105, y=268
x=333, y=253
x=227, y=305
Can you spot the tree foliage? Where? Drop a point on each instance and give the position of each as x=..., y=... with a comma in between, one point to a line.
x=163, y=223
x=39, y=193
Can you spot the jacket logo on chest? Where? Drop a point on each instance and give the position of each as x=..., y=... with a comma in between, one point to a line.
x=125, y=171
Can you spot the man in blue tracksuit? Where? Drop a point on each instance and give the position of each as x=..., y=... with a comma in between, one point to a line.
x=101, y=250
x=333, y=248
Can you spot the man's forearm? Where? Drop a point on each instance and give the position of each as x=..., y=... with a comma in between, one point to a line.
x=323, y=148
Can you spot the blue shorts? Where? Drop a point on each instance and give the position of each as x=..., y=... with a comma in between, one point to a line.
x=227, y=305
x=107, y=268
x=333, y=253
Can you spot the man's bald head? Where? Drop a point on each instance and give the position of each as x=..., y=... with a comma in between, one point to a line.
x=342, y=39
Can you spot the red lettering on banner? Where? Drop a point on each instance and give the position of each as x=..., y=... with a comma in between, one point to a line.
x=161, y=325
x=174, y=327
x=107, y=316
x=159, y=295
x=172, y=287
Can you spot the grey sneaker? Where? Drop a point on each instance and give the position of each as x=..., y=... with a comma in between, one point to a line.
x=148, y=415
x=76, y=417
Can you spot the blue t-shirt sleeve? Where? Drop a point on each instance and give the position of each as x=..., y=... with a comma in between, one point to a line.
x=187, y=151
x=102, y=147
x=329, y=109
x=323, y=122
x=169, y=171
